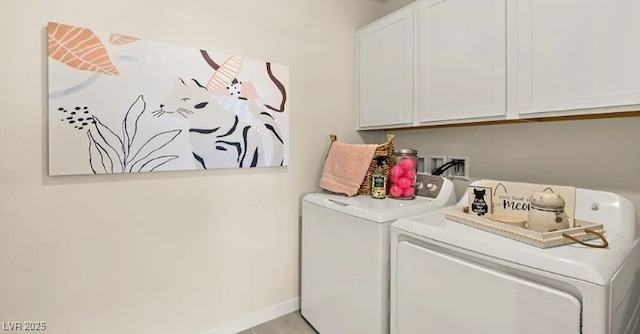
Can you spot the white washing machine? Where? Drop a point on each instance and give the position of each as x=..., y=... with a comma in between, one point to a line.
x=345, y=256
x=447, y=277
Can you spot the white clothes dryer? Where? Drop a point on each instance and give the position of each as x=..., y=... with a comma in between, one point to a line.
x=345, y=256
x=447, y=277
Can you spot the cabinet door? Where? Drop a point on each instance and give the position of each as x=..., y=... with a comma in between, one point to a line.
x=461, y=59
x=566, y=55
x=385, y=71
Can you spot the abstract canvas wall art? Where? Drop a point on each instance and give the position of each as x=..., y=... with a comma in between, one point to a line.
x=120, y=104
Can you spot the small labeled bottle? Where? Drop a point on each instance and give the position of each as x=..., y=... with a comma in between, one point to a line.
x=379, y=180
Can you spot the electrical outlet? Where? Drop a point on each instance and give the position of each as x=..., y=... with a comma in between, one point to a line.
x=459, y=171
x=435, y=161
x=422, y=164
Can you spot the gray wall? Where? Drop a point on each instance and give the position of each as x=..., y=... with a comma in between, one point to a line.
x=596, y=154
x=169, y=252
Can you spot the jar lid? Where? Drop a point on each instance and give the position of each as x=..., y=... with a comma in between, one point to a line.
x=405, y=151
x=547, y=200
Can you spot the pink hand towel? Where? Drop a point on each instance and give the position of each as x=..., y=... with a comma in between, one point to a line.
x=346, y=166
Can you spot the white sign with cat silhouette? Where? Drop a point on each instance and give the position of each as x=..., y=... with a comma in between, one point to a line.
x=480, y=200
x=120, y=104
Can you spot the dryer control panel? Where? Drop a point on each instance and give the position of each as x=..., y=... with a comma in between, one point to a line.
x=428, y=185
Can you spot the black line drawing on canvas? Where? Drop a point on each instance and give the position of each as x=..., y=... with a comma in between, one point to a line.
x=110, y=153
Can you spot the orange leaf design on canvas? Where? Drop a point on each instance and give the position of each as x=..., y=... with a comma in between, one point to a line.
x=117, y=39
x=225, y=73
x=79, y=48
x=248, y=91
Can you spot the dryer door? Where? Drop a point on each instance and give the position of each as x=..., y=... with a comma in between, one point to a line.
x=437, y=293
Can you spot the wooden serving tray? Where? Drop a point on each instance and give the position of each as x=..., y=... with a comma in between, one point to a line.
x=582, y=231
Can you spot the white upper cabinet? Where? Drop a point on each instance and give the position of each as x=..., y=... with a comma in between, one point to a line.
x=570, y=57
x=460, y=61
x=461, y=67
x=385, y=71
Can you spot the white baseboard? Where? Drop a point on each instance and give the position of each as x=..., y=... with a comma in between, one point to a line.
x=256, y=318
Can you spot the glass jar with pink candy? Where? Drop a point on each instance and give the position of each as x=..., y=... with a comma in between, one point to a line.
x=403, y=174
